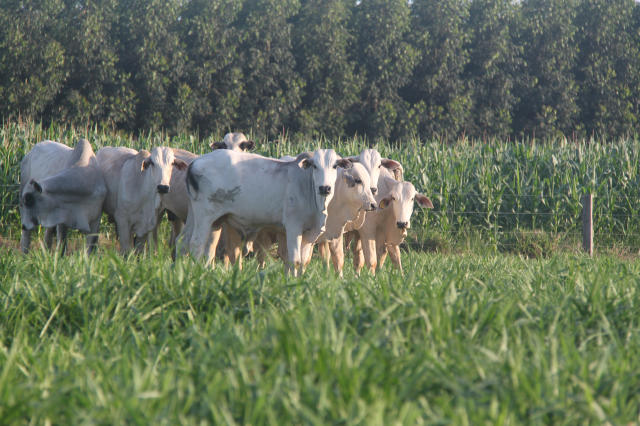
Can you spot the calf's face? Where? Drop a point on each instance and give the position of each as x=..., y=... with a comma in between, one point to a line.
x=159, y=166
x=359, y=187
x=401, y=199
x=323, y=164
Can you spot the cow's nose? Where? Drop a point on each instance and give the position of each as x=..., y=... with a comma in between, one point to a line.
x=324, y=190
x=24, y=228
x=373, y=207
x=163, y=189
x=402, y=225
x=374, y=190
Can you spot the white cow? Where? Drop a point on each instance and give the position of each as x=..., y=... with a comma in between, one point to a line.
x=72, y=197
x=352, y=199
x=45, y=159
x=135, y=182
x=251, y=192
x=384, y=229
x=235, y=142
x=176, y=202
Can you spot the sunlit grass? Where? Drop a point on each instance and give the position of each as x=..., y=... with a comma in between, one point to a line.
x=462, y=339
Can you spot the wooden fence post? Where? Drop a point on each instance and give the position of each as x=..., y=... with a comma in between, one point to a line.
x=587, y=223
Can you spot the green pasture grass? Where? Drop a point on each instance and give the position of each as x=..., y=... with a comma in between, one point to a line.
x=460, y=339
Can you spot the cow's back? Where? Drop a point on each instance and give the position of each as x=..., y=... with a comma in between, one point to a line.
x=248, y=186
x=45, y=159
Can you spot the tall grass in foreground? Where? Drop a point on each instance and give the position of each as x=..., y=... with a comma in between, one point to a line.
x=493, y=192
x=460, y=340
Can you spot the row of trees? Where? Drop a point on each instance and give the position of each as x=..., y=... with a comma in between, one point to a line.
x=381, y=68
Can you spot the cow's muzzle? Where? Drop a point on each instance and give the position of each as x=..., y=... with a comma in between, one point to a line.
x=324, y=190
x=163, y=189
x=372, y=207
x=402, y=225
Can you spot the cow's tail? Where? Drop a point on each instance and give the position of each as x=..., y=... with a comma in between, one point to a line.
x=192, y=182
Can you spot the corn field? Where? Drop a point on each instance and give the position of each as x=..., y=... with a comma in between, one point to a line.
x=489, y=190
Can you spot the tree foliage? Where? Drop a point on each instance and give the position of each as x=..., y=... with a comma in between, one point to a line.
x=386, y=69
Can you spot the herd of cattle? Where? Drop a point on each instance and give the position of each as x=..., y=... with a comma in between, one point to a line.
x=228, y=197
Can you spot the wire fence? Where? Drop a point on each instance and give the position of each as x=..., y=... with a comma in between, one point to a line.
x=505, y=229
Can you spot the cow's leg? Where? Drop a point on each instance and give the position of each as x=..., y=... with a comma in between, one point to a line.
x=283, y=253
x=306, y=250
x=261, y=246
x=61, y=238
x=336, y=248
x=294, y=254
x=124, y=234
x=394, y=255
x=183, y=241
x=138, y=242
x=325, y=254
x=25, y=241
x=212, y=244
x=381, y=252
x=348, y=237
x=232, y=247
x=176, y=228
x=48, y=237
x=369, y=251
x=92, y=237
x=204, y=236
x=358, y=256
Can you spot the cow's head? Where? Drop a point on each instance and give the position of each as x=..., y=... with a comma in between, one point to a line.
x=372, y=161
x=359, y=184
x=401, y=199
x=323, y=164
x=33, y=201
x=235, y=142
x=159, y=165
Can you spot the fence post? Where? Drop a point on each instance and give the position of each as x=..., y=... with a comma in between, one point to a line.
x=587, y=223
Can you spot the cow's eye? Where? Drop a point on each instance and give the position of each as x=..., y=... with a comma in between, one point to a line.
x=29, y=200
x=358, y=181
x=335, y=166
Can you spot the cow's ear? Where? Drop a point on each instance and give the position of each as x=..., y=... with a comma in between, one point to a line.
x=384, y=203
x=179, y=164
x=390, y=164
x=344, y=163
x=36, y=185
x=394, y=167
x=218, y=145
x=351, y=182
x=353, y=159
x=146, y=164
x=247, y=145
x=304, y=160
x=424, y=201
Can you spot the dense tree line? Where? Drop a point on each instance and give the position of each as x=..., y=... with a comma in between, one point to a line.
x=385, y=69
